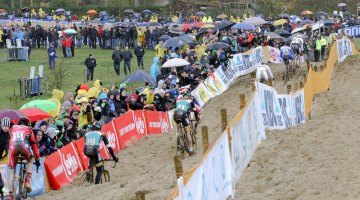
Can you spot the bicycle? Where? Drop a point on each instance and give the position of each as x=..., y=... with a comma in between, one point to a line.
x=287, y=72
x=88, y=177
x=182, y=142
x=19, y=180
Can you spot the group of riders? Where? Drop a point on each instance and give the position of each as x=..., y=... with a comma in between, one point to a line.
x=22, y=144
x=289, y=52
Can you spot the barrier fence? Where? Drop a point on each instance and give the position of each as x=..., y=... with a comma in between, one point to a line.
x=216, y=175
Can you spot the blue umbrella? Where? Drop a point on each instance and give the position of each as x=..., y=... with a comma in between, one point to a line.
x=306, y=21
x=224, y=24
x=143, y=24
x=147, y=11
x=139, y=76
x=176, y=42
x=164, y=38
x=154, y=24
x=200, y=13
x=60, y=10
x=243, y=26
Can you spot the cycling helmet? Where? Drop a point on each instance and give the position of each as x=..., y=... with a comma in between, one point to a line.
x=94, y=127
x=24, y=121
x=187, y=94
x=5, y=122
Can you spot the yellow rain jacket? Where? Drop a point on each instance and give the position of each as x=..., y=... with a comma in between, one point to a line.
x=57, y=96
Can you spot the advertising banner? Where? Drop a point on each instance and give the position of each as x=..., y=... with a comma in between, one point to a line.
x=353, y=31
x=157, y=122
x=344, y=49
x=275, y=55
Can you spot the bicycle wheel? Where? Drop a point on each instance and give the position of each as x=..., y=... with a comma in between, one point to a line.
x=286, y=74
x=180, y=141
x=105, y=176
x=193, y=137
x=86, y=179
x=16, y=186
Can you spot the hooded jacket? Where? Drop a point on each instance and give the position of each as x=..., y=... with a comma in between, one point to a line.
x=154, y=69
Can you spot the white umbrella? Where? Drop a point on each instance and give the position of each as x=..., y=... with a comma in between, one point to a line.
x=176, y=62
x=297, y=30
x=317, y=25
x=255, y=21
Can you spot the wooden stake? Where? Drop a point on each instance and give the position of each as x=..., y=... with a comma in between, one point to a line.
x=223, y=119
x=253, y=75
x=296, y=86
x=205, y=138
x=253, y=85
x=178, y=166
x=140, y=195
x=321, y=67
x=305, y=78
x=270, y=82
x=242, y=101
x=315, y=68
x=288, y=89
x=309, y=115
x=301, y=84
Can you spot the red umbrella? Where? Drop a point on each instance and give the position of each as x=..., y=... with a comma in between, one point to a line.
x=91, y=12
x=186, y=27
x=199, y=24
x=35, y=114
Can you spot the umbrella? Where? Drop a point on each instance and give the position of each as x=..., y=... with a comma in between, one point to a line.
x=129, y=11
x=222, y=16
x=199, y=24
x=286, y=16
x=59, y=10
x=208, y=26
x=26, y=9
x=91, y=12
x=321, y=14
x=342, y=4
x=306, y=21
x=139, y=76
x=3, y=11
x=14, y=115
x=176, y=42
x=186, y=27
x=225, y=24
x=121, y=24
x=306, y=12
x=297, y=30
x=34, y=114
x=273, y=35
x=283, y=33
x=254, y=21
x=243, y=26
x=132, y=24
x=155, y=24
x=143, y=24
x=329, y=22
x=164, y=38
x=44, y=105
x=200, y=13
x=280, y=22
x=70, y=31
x=216, y=46
x=175, y=62
x=147, y=11
x=317, y=25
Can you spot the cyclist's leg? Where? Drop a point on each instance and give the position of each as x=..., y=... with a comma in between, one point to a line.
x=99, y=168
x=186, y=125
x=12, y=167
x=30, y=161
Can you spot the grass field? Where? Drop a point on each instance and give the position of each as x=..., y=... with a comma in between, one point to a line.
x=12, y=71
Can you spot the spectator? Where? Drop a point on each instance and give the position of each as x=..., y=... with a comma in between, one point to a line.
x=90, y=64
x=154, y=38
x=120, y=102
x=140, y=52
x=4, y=137
x=154, y=69
x=127, y=60
x=52, y=56
x=117, y=57
x=148, y=38
x=135, y=103
x=99, y=36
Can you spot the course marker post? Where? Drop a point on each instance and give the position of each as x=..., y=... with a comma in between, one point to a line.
x=242, y=101
x=178, y=166
x=288, y=89
x=296, y=86
x=301, y=84
x=205, y=138
x=223, y=119
x=140, y=195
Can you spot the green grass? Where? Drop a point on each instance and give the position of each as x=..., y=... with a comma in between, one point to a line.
x=357, y=43
x=12, y=71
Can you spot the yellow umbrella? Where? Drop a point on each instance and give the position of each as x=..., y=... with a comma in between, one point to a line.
x=222, y=16
x=279, y=22
x=208, y=26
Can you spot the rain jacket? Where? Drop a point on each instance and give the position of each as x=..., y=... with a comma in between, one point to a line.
x=154, y=69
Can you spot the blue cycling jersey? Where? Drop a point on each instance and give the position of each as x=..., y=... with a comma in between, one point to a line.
x=286, y=53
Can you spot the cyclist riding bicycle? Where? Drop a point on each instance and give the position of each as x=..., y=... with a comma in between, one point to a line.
x=22, y=142
x=92, y=147
x=286, y=53
x=297, y=45
x=263, y=73
x=183, y=108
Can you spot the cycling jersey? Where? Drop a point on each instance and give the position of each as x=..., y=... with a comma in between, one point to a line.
x=299, y=41
x=22, y=141
x=286, y=53
x=183, y=105
x=263, y=72
x=92, y=143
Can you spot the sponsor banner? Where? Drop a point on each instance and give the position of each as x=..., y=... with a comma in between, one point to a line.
x=274, y=55
x=171, y=117
x=217, y=170
x=246, y=134
x=157, y=122
x=344, y=49
x=241, y=64
x=196, y=95
x=62, y=166
x=353, y=31
x=281, y=111
x=130, y=127
x=109, y=131
x=210, y=84
x=79, y=144
x=194, y=187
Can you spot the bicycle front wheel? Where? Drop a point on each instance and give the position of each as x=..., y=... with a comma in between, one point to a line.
x=105, y=176
x=86, y=179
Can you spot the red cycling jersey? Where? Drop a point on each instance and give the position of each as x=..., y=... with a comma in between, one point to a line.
x=22, y=141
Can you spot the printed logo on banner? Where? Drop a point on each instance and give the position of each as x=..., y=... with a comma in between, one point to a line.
x=140, y=125
x=165, y=128
x=70, y=163
x=112, y=139
x=300, y=110
x=204, y=194
x=283, y=108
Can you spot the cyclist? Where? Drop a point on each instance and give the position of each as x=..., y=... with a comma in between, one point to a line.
x=22, y=141
x=286, y=53
x=263, y=73
x=92, y=147
x=297, y=45
x=181, y=115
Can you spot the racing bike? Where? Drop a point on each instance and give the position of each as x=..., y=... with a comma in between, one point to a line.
x=88, y=178
x=19, y=180
x=182, y=142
